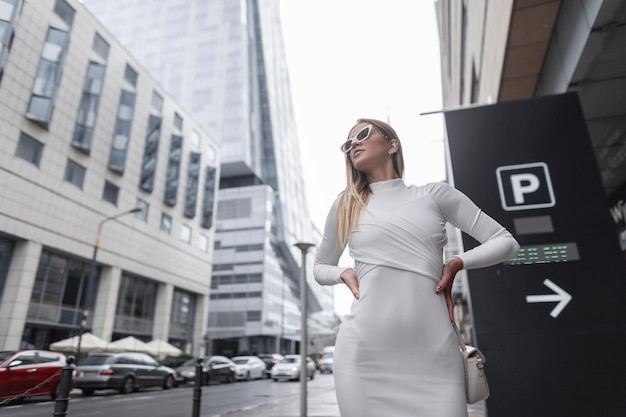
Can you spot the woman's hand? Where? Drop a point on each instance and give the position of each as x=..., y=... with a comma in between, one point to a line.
x=349, y=278
x=450, y=268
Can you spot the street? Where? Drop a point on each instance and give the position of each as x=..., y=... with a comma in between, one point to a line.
x=216, y=400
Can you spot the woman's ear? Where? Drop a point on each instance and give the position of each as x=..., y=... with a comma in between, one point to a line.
x=393, y=146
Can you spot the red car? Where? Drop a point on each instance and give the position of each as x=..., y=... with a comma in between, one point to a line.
x=21, y=371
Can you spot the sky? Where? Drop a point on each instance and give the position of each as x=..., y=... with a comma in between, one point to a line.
x=350, y=59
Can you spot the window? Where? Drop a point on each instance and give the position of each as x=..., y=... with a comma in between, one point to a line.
x=147, y=360
x=183, y=314
x=150, y=151
x=185, y=233
x=59, y=292
x=143, y=214
x=43, y=85
x=209, y=197
x=88, y=108
x=64, y=11
x=100, y=46
x=121, y=135
x=249, y=247
x=254, y=316
x=136, y=305
x=227, y=319
x=157, y=101
x=74, y=173
x=234, y=209
x=29, y=149
x=166, y=223
x=182, y=311
x=191, y=192
x=47, y=78
x=173, y=170
x=178, y=121
x=8, y=18
x=203, y=243
x=111, y=192
x=7, y=9
x=130, y=75
x=40, y=109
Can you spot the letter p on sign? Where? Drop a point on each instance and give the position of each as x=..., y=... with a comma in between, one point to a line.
x=525, y=186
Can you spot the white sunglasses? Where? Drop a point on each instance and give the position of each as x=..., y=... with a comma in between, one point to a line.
x=360, y=136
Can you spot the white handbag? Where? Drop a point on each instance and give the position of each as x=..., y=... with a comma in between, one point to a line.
x=476, y=386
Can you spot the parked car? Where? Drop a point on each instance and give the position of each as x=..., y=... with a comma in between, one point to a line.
x=270, y=360
x=214, y=369
x=325, y=364
x=186, y=373
x=249, y=367
x=289, y=368
x=126, y=372
x=219, y=368
x=25, y=369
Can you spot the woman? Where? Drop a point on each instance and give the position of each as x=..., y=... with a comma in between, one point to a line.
x=397, y=354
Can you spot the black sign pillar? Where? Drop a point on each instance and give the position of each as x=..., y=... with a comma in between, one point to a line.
x=552, y=322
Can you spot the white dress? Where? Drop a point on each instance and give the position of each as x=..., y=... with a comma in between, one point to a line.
x=396, y=353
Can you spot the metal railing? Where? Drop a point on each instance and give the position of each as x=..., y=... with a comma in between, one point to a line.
x=62, y=394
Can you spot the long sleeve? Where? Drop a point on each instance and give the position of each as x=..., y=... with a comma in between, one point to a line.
x=496, y=243
x=325, y=269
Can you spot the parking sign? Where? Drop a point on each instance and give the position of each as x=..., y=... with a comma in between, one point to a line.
x=525, y=186
x=540, y=316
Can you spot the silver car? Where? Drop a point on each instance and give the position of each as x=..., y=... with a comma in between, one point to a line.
x=289, y=368
x=126, y=372
x=249, y=367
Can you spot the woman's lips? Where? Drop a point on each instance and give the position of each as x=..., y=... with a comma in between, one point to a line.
x=355, y=153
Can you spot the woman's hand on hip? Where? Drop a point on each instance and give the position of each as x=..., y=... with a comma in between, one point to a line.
x=349, y=278
x=450, y=268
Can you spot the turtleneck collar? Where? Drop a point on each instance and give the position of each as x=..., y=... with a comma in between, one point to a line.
x=388, y=185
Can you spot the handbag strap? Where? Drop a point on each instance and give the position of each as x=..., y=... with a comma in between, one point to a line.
x=458, y=335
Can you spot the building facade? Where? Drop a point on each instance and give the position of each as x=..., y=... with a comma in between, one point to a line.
x=87, y=136
x=493, y=52
x=516, y=49
x=225, y=60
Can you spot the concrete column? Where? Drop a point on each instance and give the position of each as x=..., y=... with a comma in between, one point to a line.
x=201, y=325
x=107, y=298
x=244, y=344
x=163, y=314
x=17, y=293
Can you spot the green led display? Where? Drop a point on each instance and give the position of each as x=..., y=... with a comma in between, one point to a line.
x=546, y=253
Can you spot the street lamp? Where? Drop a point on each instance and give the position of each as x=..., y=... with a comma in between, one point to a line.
x=92, y=274
x=282, y=320
x=304, y=248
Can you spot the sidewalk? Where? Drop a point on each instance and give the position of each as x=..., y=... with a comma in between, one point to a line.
x=321, y=402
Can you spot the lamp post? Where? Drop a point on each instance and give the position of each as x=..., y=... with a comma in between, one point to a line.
x=92, y=274
x=282, y=320
x=304, y=248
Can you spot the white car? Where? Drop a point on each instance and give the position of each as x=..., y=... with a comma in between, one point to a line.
x=326, y=362
x=248, y=367
x=289, y=368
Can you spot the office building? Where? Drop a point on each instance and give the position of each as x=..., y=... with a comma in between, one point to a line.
x=87, y=136
x=225, y=61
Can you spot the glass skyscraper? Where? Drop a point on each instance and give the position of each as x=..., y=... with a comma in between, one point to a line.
x=225, y=61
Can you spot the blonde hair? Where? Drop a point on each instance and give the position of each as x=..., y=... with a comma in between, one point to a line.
x=354, y=198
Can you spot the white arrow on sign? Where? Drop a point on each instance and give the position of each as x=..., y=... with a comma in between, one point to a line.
x=561, y=296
